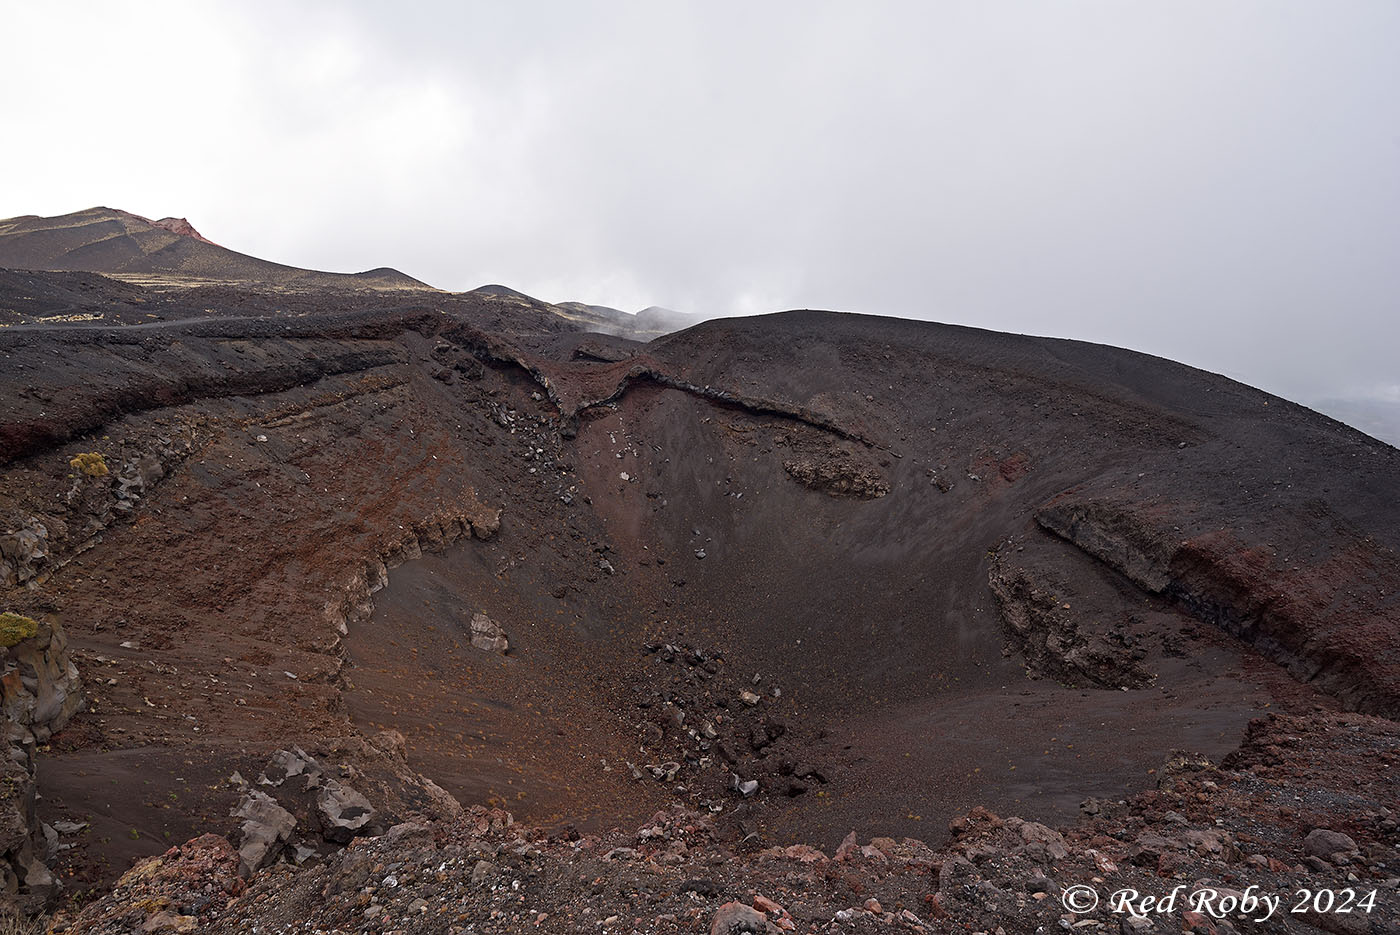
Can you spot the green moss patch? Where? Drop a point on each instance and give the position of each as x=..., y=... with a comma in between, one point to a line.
x=16, y=627
x=90, y=463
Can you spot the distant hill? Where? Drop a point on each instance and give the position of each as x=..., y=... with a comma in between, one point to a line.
x=651, y=322
x=168, y=251
x=664, y=320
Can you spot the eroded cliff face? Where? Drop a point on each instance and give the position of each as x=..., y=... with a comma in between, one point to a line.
x=1075, y=632
x=1326, y=618
x=39, y=693
x=98, y=493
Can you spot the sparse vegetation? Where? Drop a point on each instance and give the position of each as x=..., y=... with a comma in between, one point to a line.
x=15, y=925
x=15, y=627
x=9, y=788
x=90, y=463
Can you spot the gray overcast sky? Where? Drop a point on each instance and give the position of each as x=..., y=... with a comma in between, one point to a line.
x=1217, y=182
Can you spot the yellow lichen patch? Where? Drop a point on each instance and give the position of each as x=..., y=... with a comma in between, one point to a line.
x=90, y=463
x=16, y=627
x=147, y=868
x=52, y=319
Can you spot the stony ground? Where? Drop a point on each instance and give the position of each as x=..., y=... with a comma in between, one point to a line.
x=1305, y=807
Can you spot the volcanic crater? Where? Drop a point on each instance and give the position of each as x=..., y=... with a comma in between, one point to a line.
x=798, y=574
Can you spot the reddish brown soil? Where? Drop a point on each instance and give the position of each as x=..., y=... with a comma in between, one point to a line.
x=849, y=481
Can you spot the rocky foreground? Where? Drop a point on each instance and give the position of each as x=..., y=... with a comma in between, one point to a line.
x=1296, y=832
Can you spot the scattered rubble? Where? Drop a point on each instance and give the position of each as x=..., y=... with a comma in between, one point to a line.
x=839, y=476
x=1209, y=830
x=702, y=724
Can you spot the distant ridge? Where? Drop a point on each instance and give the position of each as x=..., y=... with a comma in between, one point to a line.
x=168, y=251
x=505, y=292
x=650, y=322
x=171, y=254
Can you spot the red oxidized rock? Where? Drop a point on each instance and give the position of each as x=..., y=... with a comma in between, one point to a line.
x=735, y=918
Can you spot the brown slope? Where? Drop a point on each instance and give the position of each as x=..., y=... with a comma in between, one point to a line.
x=106, y=240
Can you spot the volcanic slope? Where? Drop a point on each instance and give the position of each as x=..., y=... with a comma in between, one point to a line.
x=880, y=570
x=107, y=240
x=54, y=270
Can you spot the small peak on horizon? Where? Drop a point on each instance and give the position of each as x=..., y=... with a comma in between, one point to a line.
x=174, y=225
x=181, y=226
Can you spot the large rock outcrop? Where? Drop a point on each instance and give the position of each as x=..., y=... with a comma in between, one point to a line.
x=1326, y=619
x=1084, y=642
x=69, y=515
x=39, y=693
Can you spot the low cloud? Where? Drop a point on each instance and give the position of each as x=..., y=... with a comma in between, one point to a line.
x=1213, y=183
